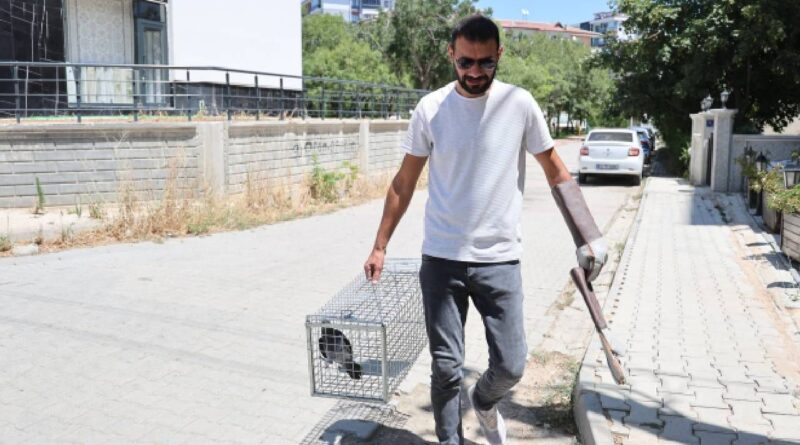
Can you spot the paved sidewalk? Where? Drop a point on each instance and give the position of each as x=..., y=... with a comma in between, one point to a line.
x=712, y=350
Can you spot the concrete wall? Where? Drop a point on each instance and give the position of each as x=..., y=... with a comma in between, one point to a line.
x=775, y=147
x=385, y=138
x=700, y=147
x=711, y=132
x=90, y=163
x=286, y=151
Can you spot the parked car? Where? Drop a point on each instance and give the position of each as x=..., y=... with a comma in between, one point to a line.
x=648, y=142
x=611, y=151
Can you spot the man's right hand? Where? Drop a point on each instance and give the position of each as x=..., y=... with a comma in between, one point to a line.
x=374, y=265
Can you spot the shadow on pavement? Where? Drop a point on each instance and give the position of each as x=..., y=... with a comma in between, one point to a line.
x=643, y=414
x=350, y=421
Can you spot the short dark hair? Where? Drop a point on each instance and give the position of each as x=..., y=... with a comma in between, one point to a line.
x=476, y=28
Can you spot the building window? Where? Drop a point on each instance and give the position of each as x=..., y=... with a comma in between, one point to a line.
x=149, y=11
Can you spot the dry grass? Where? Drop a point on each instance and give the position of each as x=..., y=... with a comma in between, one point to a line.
x=181, y=211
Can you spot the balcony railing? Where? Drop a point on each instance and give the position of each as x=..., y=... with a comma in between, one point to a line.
x=40, y=90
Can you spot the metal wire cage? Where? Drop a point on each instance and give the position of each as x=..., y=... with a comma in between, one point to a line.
x=363, y=342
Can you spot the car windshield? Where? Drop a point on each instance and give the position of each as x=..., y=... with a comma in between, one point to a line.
x=643, y=135
x=610, y=136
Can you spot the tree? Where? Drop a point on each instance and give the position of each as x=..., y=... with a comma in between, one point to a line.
x=689, y=49
x=421, y=34
x=323, y=31
x=330, y=49
x=558, y=74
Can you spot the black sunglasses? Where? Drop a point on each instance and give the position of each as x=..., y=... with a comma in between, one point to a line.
x=486, y=64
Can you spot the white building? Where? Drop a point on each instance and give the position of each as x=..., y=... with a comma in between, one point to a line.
x=349, y=10
x=238, y=34
x=552, y=30
x=608, y=24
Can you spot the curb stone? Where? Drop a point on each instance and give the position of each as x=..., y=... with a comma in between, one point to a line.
x=590, y=417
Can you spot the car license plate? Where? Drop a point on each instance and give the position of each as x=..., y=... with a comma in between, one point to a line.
x=607, y=166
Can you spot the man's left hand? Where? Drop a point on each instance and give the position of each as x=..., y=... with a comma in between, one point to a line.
x=592, y=257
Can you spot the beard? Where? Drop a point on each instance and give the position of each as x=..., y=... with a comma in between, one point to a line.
x=479, y=88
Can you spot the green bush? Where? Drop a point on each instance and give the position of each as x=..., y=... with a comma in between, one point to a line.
x=787, y=201
x=39, y=198
x=325, y=184
x=5, y=243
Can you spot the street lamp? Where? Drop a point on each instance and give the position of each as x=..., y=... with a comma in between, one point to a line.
x=706, y=103
x=724, y=96
x=791, y=175
x=762, y=163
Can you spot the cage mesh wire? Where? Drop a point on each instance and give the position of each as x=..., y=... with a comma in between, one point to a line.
x=384, y=327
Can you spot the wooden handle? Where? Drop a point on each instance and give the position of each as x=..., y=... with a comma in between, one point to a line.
x=585, y=288
x=579, y=277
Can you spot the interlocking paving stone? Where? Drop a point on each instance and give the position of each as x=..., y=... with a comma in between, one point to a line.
x=711, y=438
x=617, y=425
x=678, y=405
x=750, y=438
x=780, y=404
x=741, y=391
x=735, y=373
x=712, y=419
x=688, y=295
x=675, y=385
x=772, y=385
x=785, y=427
x=764, y=369
x=747, y=413
x=643, y=415
x=679, y=429
x=709, y=398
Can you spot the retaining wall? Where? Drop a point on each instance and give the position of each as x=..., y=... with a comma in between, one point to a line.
x=92, y=162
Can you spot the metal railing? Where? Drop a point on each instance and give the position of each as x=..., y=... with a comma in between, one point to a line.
x=43, y=90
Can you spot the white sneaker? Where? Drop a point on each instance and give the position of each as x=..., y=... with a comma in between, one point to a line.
x=492, y=424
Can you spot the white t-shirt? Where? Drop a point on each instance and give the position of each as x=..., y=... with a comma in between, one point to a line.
x=476, y=169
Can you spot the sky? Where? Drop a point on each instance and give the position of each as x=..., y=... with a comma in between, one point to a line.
x=568, y=12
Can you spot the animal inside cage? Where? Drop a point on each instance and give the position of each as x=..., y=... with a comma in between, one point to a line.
x=363, y=342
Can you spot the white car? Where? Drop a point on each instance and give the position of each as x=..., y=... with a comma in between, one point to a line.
x=611, y=151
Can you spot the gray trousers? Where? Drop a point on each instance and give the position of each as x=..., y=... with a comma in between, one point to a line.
x=496, y=291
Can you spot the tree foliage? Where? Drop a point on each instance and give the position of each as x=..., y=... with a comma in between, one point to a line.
x=559, y=75
x=421, y=34
x=409, y=47
x=331, y=49
x=689, y=49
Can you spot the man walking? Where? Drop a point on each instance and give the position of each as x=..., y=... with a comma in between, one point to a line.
x=475, y=132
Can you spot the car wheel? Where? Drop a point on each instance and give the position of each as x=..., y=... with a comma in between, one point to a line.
x=581, y=178
x=637, y=180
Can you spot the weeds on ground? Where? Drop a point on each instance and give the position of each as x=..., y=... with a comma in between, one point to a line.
x=555, y=389
x=181, y=210
x=77, y=210
x=39, y=198
x=325, y=185
x=96, y=211
x=5, y=243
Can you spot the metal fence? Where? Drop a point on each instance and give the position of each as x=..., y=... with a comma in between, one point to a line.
x=42, y=90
